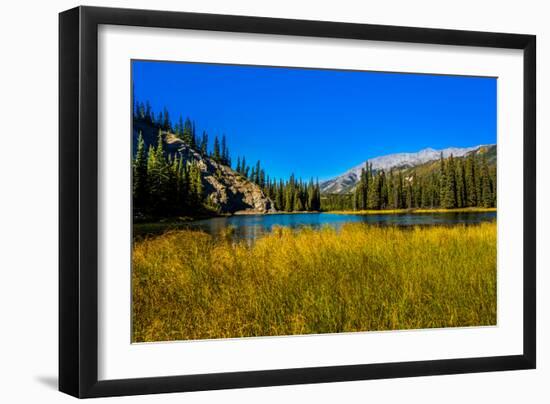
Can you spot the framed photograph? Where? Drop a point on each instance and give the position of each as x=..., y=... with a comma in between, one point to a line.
x=251, y=201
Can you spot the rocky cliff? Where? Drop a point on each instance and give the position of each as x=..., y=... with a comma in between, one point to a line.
x=224, y=188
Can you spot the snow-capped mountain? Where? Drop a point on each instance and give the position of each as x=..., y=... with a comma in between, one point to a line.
x=346, y=181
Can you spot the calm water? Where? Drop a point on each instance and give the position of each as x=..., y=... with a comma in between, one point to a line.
x=252, y=226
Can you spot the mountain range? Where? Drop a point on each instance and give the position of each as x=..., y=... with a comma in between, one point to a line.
x=347, y=181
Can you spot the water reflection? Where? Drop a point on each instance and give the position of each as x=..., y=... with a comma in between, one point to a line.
x=250, y=227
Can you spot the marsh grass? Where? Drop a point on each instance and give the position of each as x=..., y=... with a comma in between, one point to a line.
x=189, y=285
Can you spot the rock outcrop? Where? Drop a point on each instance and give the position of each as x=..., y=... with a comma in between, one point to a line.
x=224, y=188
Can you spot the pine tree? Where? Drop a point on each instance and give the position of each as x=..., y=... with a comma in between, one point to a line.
x=238, y=168
x=171, y=187
x=166, y=120
x=188, y=136
x=398, y=191
x=373, y=194
x=216, y=155
x=279, y=196
x=193, y=136
x=253, y=175
x=179, y=128
x=199, y=189
x=448, y=200
x=299, y=205
x=408, y=200
x=486, y=194
x=289, y=194
x=204, y=144
x=460, y=185
x=141, y=111
x=148, y=114
x=262, y=180
x=384, y=190
x=153, y=183
x=442, y=180
x=139, y=180
x=311, y=196
x=224, y=151
x=256, y=178
x=470, y=178
x=244, y=170
x=391, y=183
x=317, y=205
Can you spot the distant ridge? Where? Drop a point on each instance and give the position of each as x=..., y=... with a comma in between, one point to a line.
x=346, y=181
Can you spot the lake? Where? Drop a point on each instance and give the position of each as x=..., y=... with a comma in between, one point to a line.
x=250, y=227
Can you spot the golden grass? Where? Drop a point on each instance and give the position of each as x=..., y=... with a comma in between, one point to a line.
x=189, y=285
x=401, y=211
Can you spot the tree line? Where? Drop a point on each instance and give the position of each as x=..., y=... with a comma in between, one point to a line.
x=456, y=183
x=184, y=130
x=293, y=195
x=167, y=185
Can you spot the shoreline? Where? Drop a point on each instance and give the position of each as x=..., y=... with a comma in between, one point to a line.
x=153, y=227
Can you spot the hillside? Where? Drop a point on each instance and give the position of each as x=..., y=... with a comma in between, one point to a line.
x=224, y=188
x=489, y=152
x=346, y=182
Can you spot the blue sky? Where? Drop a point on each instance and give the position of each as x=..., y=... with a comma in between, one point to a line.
x=320, y=123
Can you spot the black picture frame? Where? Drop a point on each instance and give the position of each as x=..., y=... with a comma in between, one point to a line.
x=78, y=201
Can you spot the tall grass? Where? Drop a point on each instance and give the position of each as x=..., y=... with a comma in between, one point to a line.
x=189, y=285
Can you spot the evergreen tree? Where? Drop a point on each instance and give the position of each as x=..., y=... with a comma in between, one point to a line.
x=193, y=136
x=139, y=180
x=448, y=200
x=384, y=190
x=257, y=173
x=289, y=194
x=216, y=154
x=408, y=199
x=203, y=147
x=461, y=189
x=311, y=196
x=262, y=181
x=141, y=111
x=279, y=196
x=442, y=179
x=148, y=113
x=398, y=192
x=244, y=169
x=238, y=168
x=470, y=178
x=373, y=194
x=166, y=120
x=159, y=120
x=188, y=135
x=253, y=175
x=179, y=128
x=486, y=194
x=224, y=151
x=299, y=205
